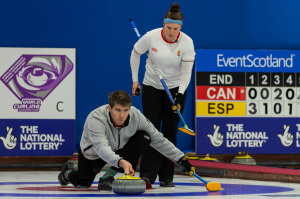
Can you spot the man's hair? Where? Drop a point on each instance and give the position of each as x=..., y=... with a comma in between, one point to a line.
x=174, y=12
x=119, y=97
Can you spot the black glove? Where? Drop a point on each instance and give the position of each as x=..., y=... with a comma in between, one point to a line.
x=178, y=102
x=137, y=91
x=189, y=169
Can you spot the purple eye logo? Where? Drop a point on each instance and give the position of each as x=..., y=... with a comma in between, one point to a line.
x=33, y=77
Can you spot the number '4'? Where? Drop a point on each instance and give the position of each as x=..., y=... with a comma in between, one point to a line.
x=289, y=80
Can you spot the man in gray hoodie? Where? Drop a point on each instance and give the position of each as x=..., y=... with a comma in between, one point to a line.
x=116, y=133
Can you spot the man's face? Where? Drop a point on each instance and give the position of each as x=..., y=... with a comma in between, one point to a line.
x=119, y=113
x=171, y=31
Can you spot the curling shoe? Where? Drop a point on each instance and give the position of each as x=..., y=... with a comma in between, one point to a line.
x=105, y=183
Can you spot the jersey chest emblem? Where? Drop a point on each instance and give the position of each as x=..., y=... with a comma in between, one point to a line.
x=154, y=49
x=178, y=53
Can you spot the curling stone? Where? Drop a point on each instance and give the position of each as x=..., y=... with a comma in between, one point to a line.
x=74, y=161
x=243, y=158
x=207, y=158
x=129, y=185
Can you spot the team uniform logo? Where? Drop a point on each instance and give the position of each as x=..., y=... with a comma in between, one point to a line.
x=178, y=53
x=154, y=49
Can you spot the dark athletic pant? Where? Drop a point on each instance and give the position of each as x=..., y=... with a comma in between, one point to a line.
x=88, y=169
x=157, y=107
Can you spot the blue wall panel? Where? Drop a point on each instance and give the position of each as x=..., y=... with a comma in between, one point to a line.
x=103, y=37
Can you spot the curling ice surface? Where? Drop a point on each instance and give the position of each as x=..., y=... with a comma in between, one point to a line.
x=44, y=184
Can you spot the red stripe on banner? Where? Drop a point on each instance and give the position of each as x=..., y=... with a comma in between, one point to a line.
x=239, y=167
x=221, y=93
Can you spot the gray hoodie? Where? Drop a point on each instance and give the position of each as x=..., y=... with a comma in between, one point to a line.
x=101, y=139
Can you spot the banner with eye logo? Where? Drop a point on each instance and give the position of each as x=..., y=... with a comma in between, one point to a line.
x=37, y=109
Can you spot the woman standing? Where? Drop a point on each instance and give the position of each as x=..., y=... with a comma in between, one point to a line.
x=172, y=52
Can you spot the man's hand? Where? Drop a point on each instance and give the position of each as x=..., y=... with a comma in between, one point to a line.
x=178, y=102
x=9, y=141
x=126, y=166
x=189, y=169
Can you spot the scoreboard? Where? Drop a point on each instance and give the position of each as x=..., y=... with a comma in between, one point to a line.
x=247, y=100
x=248, y=94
